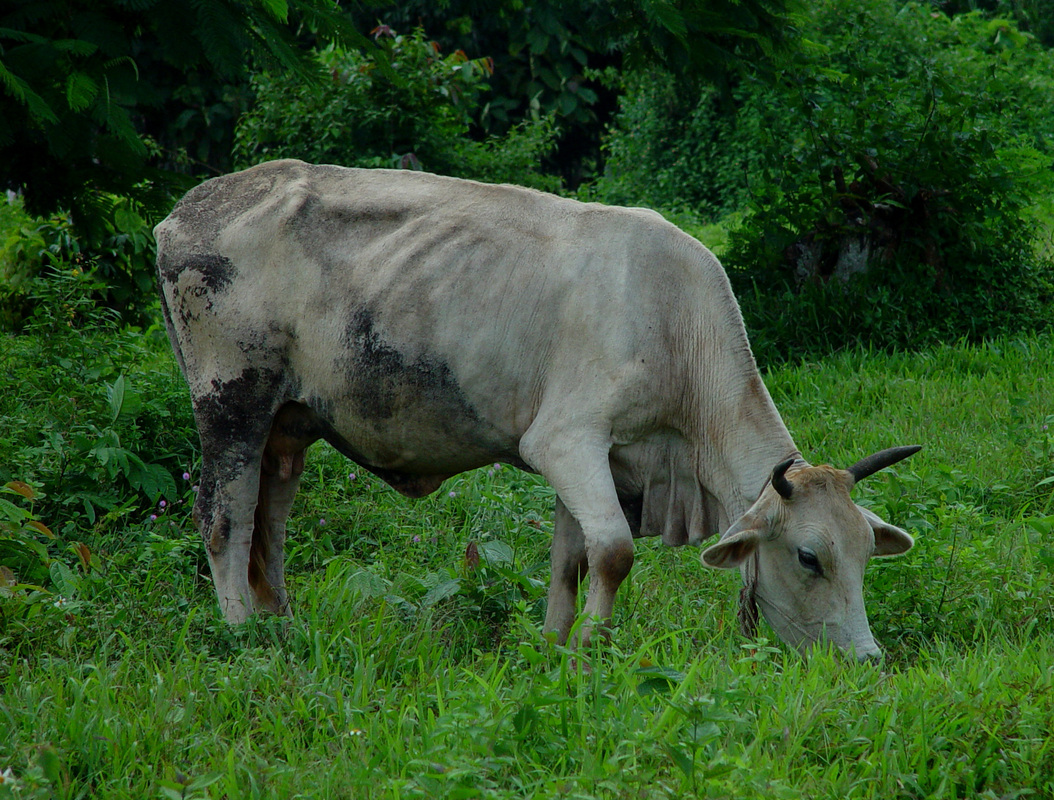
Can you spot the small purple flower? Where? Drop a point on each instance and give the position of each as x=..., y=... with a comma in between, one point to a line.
x=153, y=517
x=453, y=494
x=186, y=476
x=194, y=488
x=417, y=540
x=162, y=504
x=321, y=520
x=351, y=476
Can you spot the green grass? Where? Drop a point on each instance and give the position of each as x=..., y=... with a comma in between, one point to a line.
x=412, y=670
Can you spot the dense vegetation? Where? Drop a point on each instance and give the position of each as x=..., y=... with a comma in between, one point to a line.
x=877, y=178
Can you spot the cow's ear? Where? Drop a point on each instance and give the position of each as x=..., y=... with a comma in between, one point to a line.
x=737, y=545
x=889, y=539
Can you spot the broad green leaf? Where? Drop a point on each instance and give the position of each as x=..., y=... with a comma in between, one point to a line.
x=683, y=761
x=1042, y=525
x=65, y=579
x=127, y=220
x=440, y=592
x=495, y=552
x=116, y=395
x=14, y=513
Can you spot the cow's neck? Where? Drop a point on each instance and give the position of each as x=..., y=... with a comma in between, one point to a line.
x=742, y=437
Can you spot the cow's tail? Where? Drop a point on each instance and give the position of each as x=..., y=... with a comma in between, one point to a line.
x=260, y=550
x=166, y=314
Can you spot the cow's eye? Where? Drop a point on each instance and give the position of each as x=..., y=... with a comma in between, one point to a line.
x=807, y=558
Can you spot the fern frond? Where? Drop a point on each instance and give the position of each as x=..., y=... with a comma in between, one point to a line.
x=18, y=88
x=81, y=91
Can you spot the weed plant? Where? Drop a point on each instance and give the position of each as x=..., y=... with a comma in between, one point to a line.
x=415, y=666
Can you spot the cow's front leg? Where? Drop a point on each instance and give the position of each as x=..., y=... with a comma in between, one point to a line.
x=579, y=472
x=569, y=566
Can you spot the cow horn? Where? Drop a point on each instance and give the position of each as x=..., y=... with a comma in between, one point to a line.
x=880, y=460
x=779, y=479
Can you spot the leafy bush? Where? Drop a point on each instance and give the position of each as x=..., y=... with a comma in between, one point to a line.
x=95, y=442
x=27, y=245
x=115, y=252
x=891, y=175
x=413, y=113
x=681, y=153
x=894, y=205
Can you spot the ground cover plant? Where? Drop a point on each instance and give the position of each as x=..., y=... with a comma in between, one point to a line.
x=415, y=666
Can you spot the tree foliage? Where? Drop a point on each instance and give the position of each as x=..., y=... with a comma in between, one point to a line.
x=101, y=95
x=894, y=202
x=413, y=115
x=886, y=154
x=562, y=58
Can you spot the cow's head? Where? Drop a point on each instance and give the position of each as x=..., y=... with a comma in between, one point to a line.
x=802, y=549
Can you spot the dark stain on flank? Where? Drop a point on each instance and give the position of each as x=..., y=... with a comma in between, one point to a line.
x=237, y=414
x=384, y=381
x=216, y=271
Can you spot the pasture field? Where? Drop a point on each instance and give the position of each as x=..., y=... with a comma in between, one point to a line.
x=414, y=666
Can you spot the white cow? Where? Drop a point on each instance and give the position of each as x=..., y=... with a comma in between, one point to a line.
x=425, y=325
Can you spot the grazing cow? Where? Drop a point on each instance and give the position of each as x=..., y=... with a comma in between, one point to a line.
x=425, y=325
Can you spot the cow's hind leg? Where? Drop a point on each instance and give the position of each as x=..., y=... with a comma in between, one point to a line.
x=225, y=513
x=294, y=428
x=279, y=480
x=234, y=420
x=569, y=566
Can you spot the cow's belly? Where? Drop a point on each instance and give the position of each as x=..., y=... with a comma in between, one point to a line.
x=419, y=440
x=410, y=424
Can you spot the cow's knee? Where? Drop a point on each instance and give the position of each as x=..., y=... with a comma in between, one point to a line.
x=611, y=563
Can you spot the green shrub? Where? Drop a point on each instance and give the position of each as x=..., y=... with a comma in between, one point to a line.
x=27, y=245
x=681, y=154
x=117, y=252
x=892, y=178
x=895, y=203
x=96, y=441
x=415, y=114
